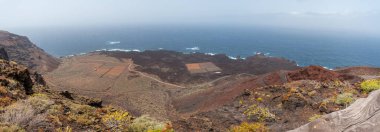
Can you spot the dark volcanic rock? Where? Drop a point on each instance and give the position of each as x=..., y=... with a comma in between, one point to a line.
x=21, y=50
x=17, y=73
x=171, y=66
x=3, y=54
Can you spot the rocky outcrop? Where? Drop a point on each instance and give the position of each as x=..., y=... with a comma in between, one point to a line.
x=11, y=73
x=362, y=116
x=21, y=50
x=3, y=54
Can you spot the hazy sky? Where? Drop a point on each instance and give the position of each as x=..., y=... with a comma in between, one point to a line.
x=352, y=15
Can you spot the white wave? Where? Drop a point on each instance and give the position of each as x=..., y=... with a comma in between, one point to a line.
x=113, y=42
x=234, y=58
x=212, y=54
x=193, y=48
x=160, y=48
x=101, y=50
x=136, y=50
x=124, y=50
x=328, y=68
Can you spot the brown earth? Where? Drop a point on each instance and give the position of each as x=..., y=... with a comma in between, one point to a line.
x=212, y=104
x=115, y=82
x=362, y=71
x=21, y=50
x=121, y=82
x=158, y=83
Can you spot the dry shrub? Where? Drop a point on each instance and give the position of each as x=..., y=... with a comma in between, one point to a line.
x=10, y=128
x=344, y=99
x=314, y=117
x=3, y=90
x=146, y=123
x=258, y=113
x=118, y=120
x=250, y=127
x=5, y=101
x=23, y=111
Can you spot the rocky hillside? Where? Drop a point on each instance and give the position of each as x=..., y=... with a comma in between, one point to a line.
x=277, y=101
x=27, y=104
x=21, y=50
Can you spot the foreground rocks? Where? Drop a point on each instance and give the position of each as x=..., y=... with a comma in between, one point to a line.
x=361, y=116
x=26, y=103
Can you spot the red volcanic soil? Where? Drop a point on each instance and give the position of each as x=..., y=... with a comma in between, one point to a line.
x=223, y=94
x=360, y=70
x=317, y=73
x=292, y=101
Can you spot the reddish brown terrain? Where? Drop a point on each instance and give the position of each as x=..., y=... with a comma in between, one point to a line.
x=362, y=71
x=158, y=83
x=292, y=96
x=193, y=92
x=21, y=50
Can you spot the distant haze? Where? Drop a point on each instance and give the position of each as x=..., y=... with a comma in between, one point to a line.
x=361, y=16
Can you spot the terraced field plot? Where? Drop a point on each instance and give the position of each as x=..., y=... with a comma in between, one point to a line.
x=204, y=67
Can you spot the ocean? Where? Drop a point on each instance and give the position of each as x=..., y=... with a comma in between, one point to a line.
x=328, y=49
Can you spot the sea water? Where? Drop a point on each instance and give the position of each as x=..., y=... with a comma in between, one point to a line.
x=328, y=49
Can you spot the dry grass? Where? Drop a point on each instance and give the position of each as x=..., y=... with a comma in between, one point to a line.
x=3, y=90
x=24, y=111
x=145, y=123
x=5, y=101
x=250, y=127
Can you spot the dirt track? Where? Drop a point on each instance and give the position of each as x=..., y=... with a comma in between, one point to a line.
x=115, y=82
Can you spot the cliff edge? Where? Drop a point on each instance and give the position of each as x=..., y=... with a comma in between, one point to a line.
x=21, y=50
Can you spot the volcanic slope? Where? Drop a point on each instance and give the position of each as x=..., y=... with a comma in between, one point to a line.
x=120, y=81
x=114, y=81
x=21, y=50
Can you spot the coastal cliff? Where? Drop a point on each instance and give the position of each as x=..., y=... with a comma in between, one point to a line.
x=21, y=50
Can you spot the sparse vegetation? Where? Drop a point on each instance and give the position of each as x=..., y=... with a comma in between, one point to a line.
x=314, y=117
x=149, y=124
x=370, y=85
x=66, y=129
x=118, y=120
x=250, y=127
x=259, y=99
x=344, y=99
x=10, y=128
x=3, y=90
x=5, y=101
x=258, y=113
x=22, y=111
